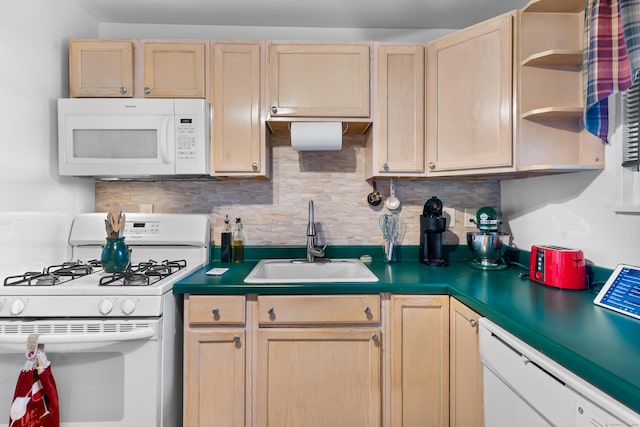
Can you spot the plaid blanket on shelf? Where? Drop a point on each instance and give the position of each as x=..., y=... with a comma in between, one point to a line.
x=611, y=57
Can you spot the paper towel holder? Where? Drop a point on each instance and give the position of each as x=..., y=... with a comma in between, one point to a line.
x=344, y=130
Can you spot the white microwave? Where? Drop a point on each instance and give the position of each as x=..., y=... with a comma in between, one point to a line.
x=112, y=138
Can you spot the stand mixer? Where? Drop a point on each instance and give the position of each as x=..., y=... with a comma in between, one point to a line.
x=488, y=245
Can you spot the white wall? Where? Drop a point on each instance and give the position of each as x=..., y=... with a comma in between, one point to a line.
x=232, y=32
x=33, y=40
x=576, y=210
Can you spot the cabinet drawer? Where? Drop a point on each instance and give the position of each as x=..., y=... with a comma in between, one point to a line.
x=318, y=309
x=216, y=310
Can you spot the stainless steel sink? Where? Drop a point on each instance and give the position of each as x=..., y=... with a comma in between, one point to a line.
x=334, y=270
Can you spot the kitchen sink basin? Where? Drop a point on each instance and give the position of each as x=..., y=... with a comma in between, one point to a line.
x=334, y=270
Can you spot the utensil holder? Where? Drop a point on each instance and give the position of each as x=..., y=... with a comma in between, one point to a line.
x=115, y=255
x=390, y=252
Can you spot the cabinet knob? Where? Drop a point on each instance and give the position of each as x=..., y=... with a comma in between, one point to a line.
x=254, y=166
x=236, y=339
x=215, y=312
x=385, y=166
x=473, y=323
x=147, y=90
x=432, y=165
x=375, y=337
x=367, y=310
x=274, y=110
x=123, y=90
x=271, y=311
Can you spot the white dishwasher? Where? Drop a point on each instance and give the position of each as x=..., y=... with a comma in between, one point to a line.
x=523, y=387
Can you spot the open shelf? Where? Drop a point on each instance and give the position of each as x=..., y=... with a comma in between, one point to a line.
x=555, y=58
x=556, y=6
x=553, y=113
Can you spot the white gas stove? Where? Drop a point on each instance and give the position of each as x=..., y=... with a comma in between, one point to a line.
x=114, y=340
x=164, y=248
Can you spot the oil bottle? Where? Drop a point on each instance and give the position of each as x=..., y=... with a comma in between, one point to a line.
x=238, y=242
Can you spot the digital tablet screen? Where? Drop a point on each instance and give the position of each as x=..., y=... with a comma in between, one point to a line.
x=621, y=292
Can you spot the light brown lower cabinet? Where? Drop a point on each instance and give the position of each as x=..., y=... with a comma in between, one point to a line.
x=318, y=377
x=330, y=360
x=419, y=360
x=214, y=392
x=215, y=351
x=466, y=404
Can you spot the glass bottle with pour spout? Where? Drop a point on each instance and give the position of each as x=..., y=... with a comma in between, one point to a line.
x=238, y=242
x=225, y=241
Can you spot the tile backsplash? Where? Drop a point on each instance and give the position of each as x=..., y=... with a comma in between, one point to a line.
x=274, y=211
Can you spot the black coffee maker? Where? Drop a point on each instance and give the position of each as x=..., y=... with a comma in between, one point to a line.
x=432, y=225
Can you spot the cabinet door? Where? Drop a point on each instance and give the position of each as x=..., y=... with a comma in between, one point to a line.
x=419, y=357
x=214, y=372
x=469, y=98
x=401, y=99
x=100, y=68
x=237, y=134
x=329, y=80
x=174, y=70
x=466, y=368
x=318, y=377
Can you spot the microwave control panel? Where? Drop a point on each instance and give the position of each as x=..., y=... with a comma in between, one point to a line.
x=186, y=138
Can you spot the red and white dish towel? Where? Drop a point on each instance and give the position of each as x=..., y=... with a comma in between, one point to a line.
x=35, y=400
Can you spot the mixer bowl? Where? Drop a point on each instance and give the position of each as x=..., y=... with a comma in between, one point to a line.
x=488, y=247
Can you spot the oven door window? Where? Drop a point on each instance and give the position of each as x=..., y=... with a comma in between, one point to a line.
x=102, y=383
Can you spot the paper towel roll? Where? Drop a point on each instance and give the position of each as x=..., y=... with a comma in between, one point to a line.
x=316, y=136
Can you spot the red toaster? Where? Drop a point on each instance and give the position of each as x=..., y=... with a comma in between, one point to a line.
x=558, y=267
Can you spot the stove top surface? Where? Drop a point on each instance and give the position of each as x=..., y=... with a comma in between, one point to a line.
x=40, y=278
x=88, y=278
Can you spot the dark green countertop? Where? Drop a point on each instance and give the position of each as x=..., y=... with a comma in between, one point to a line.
x=599, y=345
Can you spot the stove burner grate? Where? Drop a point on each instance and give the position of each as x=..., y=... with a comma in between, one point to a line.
x=32, y=278
x=53, y=275
x=143, y=274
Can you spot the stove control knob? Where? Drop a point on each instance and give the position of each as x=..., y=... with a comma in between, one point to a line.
x=17, y=307
x=105, y=307
x=128, y=306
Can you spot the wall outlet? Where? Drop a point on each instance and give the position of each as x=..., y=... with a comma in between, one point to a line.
x=469, y=214
x=450, y=213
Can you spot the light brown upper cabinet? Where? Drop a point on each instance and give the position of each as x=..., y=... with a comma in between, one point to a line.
x=100, y=68
x=504, y=97
x=469, y=98
x=126, y=68
x=319, y=80
x=238, y=131
x=174, y=70
x=397, y=142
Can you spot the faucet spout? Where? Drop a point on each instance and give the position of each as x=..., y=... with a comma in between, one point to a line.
x=312, y=250
x=311, y=225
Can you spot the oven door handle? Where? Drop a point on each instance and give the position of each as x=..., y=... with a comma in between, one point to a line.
x=86, y=338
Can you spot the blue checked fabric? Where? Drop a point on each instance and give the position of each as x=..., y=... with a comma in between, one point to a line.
x=611, y=57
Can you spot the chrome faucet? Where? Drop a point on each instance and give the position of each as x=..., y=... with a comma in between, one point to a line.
x=312, y=251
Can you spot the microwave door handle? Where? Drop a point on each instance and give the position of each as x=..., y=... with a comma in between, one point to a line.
x=87, y=338
x=164, y=148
